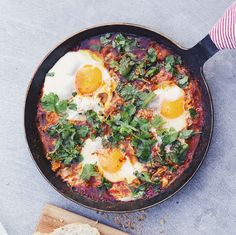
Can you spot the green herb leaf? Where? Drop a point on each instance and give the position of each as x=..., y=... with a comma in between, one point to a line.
x=61, y=106
x=151, y=55
x=145, y=98
x=88, y=171
x=72, y=106
x=157, y=121
x=178, y=152
x=105, y=185
x=183, y=82
x=139, y=191
x=68, y=137
x=170, y=64
x=114, y=65
x=185, y=134
x=169, y=136
x=151, y=72
x=51, y=103
x=126, y=64
x=74, y=93
x=50, y=74
x=95, y=47
x=123, y=43
x=105, y=39
x=144, y=176
x=83, y=131
x=192, y=112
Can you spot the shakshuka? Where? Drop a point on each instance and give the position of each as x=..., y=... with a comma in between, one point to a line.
x=119, y=117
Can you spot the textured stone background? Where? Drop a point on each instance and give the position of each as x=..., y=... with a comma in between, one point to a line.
x=29, y=29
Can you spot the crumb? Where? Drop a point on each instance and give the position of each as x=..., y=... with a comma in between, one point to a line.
x=162, y=231
x=117, y=221
x=141, y=218
x=61, y=220
x=129, y=225
x=162, y=221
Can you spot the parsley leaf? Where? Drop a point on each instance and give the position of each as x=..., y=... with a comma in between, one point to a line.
x=123, y=43
x=51, y=103
x=139, y=191
x=157, y=121
x=170, y=64
x=126, y=64
x=140, y=98
x=144, y=176
x=105, y=185
x=94, y=121
x=50, y=74
x=151, y=55
x=177, y=152
x=95, y=47
x=105, y=39
x=145, y=98
x=88, y=171
x=68, y=137
x=183, y=82
x=152, y=71
x=192, y=112
x=169, y=136
x=185, y=134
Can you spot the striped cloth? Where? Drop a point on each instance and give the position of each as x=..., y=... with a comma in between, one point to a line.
x=223, y=34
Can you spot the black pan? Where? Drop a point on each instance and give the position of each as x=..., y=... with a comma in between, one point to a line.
x=193, y=58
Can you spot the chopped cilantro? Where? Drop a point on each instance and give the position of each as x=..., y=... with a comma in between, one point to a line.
x=105, y=185
x=51, y=103
x=185, y=134
x=105, y=39
x=151, y=55
x=144, y=176
x=126, y=64
x=177, y=152
x=50, y=74
x=95, y=47
x=68, y=136
x=94, y=121
x=169, y=136
x=192, y=112
x=170, y=64
x=123, y=43
x=88, y=171
x=152, y=71
x=183, y=82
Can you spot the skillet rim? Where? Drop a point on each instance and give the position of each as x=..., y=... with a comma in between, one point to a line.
x=211, y=109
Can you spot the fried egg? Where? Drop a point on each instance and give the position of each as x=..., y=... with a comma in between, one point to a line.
x=169, y=104
x=112, y=162
x=82, y=72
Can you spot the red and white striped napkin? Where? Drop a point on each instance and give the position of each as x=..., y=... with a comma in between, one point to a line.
x=223, y=34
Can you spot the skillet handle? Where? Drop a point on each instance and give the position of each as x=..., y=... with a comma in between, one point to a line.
x=222, y=36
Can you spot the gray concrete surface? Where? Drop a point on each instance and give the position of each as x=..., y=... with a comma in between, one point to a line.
x=29, y=29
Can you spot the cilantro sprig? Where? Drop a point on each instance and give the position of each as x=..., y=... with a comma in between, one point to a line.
x=51, y=103
x=88, y=171
x=68, y=137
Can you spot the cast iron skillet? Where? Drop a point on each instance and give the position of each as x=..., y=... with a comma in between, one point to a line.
x=193, y=58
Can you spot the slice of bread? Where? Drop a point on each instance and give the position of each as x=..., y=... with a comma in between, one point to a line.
x=73, y=229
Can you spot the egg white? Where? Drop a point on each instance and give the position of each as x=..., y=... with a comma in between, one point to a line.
x=169, y=93
x=90, y=156
x=63, y=82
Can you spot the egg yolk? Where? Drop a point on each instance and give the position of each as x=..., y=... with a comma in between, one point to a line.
x=172, y=109
x=88, y=79
x=112, y=160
